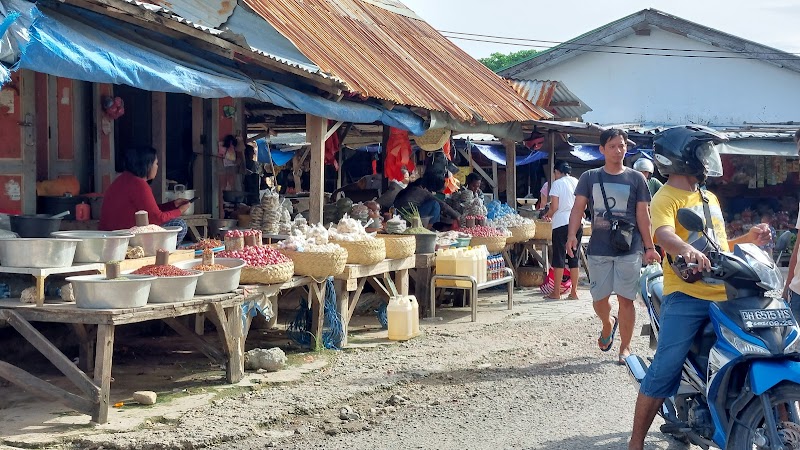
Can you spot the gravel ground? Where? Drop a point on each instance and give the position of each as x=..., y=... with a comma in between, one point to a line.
x=531, y=378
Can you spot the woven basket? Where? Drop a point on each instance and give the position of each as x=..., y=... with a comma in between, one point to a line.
x=318, y=265
x=367, y=252
x=494, y=244
x=399, y=246
x=544, y=230
x=273, y=274
x=530, y=276
x=521, y=233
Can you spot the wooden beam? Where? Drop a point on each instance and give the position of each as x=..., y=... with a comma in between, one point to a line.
x=511, y=172
x=552, y=159
x=201, y=344
x=31, y=383
x=492, y=182
x=102, y=371
x=495, y=189
x=332, y=130
x=316, y=129
x=159, y=124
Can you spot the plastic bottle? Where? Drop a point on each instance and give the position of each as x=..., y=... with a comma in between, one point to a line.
x=414, y=315
x=398, y=314
x=83, y=212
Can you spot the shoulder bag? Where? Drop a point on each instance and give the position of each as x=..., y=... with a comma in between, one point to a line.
x=621, y=230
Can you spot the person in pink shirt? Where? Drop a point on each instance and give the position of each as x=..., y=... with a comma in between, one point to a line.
x=130, y=192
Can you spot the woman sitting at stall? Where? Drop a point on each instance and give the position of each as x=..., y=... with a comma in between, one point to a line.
x=419, y=193
x=130, y=192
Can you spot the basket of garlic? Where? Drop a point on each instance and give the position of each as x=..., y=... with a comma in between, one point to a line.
x=313, y=255
x=362, y=247
x=522, y=229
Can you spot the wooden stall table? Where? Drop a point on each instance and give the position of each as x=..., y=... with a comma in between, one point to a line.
x=538, y=249
x=41, y=274
x=193, y=221
x=96, y=354
x=350, y=283
x=422, y=272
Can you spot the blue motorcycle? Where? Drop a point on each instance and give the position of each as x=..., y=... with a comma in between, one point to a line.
x=739, y=386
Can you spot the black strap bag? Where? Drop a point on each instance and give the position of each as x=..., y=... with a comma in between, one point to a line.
x=621, y=230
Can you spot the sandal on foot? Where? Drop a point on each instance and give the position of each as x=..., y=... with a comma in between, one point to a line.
x=605, y=343
x=622, y=357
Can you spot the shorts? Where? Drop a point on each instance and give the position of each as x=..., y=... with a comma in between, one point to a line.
x=794, y=304
x=614, y=275
x=681, y=318
x=560, y=257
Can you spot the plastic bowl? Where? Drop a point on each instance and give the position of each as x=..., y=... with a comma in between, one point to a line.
x=153, y=241
x=174, y=289
x=97, y=246
x=97, y=292
x=217, y=281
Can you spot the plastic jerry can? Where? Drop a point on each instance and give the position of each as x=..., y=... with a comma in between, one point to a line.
x=399, y=314
x=83, y=211
x=414, y=315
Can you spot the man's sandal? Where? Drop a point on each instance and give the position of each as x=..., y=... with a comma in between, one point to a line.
x=605, y=343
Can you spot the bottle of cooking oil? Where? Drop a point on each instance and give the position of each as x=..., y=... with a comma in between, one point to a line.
x=399, y=312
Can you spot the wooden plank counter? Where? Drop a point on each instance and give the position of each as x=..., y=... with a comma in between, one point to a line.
x=224, y=310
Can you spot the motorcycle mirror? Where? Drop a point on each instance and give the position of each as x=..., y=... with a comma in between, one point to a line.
x=690, y=220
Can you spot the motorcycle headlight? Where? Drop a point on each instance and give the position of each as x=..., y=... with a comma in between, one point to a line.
x=764, y=267
x=740, y=344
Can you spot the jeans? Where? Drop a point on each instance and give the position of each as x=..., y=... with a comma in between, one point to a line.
x=431, y=208
x=681, y=318
x=177, y=223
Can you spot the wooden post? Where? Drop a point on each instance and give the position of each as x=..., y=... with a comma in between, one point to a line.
x=102, y=370
x=511, y=173
x=343, y=307
x=198, y=167
x=159, y=122
x=316, y=127
x=552, y=159
x=495, y=188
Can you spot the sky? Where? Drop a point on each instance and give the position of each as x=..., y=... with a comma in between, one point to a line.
x=775, y=23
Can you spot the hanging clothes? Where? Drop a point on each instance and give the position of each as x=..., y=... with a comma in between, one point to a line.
x=398, y=155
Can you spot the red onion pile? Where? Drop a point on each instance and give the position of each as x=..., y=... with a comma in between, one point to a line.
x=482, y=231
x=256, y=256
x=234, y=234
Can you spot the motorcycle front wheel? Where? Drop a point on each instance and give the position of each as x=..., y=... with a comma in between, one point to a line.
x=749, y=431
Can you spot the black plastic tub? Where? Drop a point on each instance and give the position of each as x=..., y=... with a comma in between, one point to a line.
x=34, y=226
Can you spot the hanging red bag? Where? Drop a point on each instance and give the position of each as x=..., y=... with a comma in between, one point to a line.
x=549, y=283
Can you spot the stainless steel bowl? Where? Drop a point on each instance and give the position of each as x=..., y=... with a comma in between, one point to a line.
x=97, y=246
x=37, y=253
x=174, y=289
x=96, y=292
x=155, y=240
x=217, y=281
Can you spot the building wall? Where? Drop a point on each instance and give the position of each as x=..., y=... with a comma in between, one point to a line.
x=672, y=90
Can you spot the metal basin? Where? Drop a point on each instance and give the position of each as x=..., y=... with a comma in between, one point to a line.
x=216, y=226
x=174, y=289
x=153, y=241
x=97, y=246
x=37, y=253
x=218, y=281
x=96, y=292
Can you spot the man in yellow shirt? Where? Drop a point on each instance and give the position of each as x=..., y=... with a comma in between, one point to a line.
x=687, y=155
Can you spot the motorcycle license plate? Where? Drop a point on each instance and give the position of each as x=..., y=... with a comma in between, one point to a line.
x=767, y=318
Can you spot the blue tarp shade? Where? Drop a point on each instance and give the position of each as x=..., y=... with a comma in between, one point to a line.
x=279, y=157
x=61, y=46
x=498, y=155
x=591, y=152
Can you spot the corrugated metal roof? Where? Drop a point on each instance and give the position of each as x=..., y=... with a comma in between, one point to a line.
x=391, y=56
x=553, y=96
x=208, y=16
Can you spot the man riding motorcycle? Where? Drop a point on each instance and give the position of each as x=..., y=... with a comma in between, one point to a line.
x=687, y=156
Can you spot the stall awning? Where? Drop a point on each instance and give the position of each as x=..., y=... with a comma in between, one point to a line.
x=758, y=147
x=57, y=45
x=498, y=155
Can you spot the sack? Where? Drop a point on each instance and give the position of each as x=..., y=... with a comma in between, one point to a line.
x=621, y=235
x=549, y=282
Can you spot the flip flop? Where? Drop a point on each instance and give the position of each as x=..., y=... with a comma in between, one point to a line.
x=609, y=339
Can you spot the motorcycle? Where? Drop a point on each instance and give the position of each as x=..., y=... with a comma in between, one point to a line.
x=739, y=384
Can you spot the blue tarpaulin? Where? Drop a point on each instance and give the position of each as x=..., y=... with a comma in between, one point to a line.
x=591, y=152
x=498, y=155
x=279, y=157
x=57, y=45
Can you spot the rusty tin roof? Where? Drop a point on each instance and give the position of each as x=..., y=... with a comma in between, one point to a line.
x=381, y=50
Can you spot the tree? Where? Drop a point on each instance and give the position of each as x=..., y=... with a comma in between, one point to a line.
x=497, y=61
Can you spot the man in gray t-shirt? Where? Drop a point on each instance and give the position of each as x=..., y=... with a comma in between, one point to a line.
x=610, y=271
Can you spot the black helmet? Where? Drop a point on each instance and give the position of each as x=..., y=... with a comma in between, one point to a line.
x=688, y=150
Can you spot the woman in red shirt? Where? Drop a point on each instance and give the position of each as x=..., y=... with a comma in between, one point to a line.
x=130, y=192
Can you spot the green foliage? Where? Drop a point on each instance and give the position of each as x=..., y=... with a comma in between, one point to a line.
x=497, y=61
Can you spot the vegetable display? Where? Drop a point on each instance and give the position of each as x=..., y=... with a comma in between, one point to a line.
x=481, y=231
x=205, y=243
x=256, y=256
x=161, y=271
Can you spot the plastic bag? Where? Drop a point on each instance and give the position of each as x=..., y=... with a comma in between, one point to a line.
x=549, y=283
